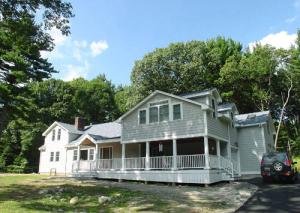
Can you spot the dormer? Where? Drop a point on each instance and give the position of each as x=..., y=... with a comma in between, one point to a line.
x=228, y=111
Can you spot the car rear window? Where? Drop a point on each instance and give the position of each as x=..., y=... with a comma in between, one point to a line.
x=269, y=158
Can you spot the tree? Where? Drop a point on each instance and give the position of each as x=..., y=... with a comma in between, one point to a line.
x=183, y=67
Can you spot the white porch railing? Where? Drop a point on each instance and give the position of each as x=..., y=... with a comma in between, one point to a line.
x=159, y=163
x=134, y=163
x=190, y=161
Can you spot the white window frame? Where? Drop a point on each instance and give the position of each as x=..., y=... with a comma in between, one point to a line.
x=59, y=134
x=89, y=152
x=75, y=150
x=158, y=106
x=57, y=154
x=181, y=111
x=146, y=116
x=51, y=156
x=214, y=112
x=53, y=134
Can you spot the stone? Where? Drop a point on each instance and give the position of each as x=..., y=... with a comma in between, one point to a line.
x=104, y=199
x=118, y=195
x=43, y=191
x=74, y=200
x=244, y=193
x=106, y=187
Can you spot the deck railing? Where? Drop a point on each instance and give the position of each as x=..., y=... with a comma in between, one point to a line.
x=190, y=161
x=159, y=163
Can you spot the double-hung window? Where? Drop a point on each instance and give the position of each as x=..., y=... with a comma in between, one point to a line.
x=91, y=154
x=159, y=111
x=177, y=114
x=142, y=116
x=58, y=134
x=51, y=156
x=75, y=155
x=53, y=134
x=213, y=105
x=57, y=156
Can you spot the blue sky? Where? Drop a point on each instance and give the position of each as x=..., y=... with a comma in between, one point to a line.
x=109, y=36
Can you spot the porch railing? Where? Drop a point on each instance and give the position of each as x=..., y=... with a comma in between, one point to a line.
x=190, y=161
x=159, y=163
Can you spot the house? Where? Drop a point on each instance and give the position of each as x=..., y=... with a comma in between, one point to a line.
x=190, y=138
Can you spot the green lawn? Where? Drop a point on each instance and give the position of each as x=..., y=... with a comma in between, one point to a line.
x=20, y=193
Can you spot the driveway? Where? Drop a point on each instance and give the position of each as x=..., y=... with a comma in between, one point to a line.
x=273, y=197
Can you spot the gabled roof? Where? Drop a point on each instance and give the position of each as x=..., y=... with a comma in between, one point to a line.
x=252, y=119
x=204, y=106
x=68, y=127
x=201, y=93
x=227, y=106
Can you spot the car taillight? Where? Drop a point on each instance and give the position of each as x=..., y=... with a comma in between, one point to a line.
x=288, y=162
x=261, y=162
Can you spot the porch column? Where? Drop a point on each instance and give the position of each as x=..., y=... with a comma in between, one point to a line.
x=218, y=152
x=206, y=152
x=229, y=150
x=174, y=154
x=147, y=160
x=123, y=156
x=97, y=155
x=78, y=157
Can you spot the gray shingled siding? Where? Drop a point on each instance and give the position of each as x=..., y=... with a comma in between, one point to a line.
x=269, y=136
x=192, y=123
x=233, y=136
x=251, y=146
x=217, y=127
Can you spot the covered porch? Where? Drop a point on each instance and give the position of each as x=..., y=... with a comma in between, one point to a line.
x=177, y=155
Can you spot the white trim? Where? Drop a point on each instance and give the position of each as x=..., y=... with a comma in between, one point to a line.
x=205, y=122
x=249, y=125
x=158, y=110
x=209, y=92
x=112, y=151
x=203, y=106
x=45, y=133
x=264, y=138
x=251, y=173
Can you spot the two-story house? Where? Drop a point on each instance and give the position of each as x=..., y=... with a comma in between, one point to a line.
x=190, y=138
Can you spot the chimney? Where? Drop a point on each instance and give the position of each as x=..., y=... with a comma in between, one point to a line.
x=79, y=123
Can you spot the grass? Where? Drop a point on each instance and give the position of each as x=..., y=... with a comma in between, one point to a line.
x=20, y=193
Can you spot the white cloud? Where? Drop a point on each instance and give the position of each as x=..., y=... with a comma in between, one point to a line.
x=74, y=71
x=58, y=37
x=98, y=47
x=291, y=19
x=278, y=40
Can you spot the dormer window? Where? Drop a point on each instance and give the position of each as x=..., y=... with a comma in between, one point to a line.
x=53, y=134
x=213, y=105
x=58, y=134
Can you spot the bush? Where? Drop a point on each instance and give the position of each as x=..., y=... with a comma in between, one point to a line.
x=15, y=169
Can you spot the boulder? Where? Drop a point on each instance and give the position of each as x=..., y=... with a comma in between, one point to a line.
x=43, y=191
x=104, y=199
x=74, y=200
x=244, y=193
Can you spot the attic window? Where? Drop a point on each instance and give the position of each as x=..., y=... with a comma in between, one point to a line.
x=213, y=105
x=251, y=116
x=53, y=134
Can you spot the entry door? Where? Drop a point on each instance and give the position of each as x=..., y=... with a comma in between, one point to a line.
x=106, y=153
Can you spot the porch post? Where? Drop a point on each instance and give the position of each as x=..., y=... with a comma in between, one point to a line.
x=206, y=152
x=78, y=157
x=229, y=150
x=97, y=155
x=147, y=155
x=174, y=154
x=123, y=156
x=218, y=152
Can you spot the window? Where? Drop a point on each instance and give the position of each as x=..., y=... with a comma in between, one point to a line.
x=106, y=152
x=51, y=156
x=214, y=108
x=75, y=155
x=53, y=134
x=159, y=111
x=176, y=112
x=142, y=116
x=91, y=154
x=84, y=154
x=57, y=156
x=58, y=134
x=153, y=114
x=232, y=119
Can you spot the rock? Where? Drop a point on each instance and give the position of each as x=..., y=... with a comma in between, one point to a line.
x=103, y=199
x=74, y=200
x=63, y=200
x=106, y=187
x=43, y=191
x=118, y=195
x=245, y=193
